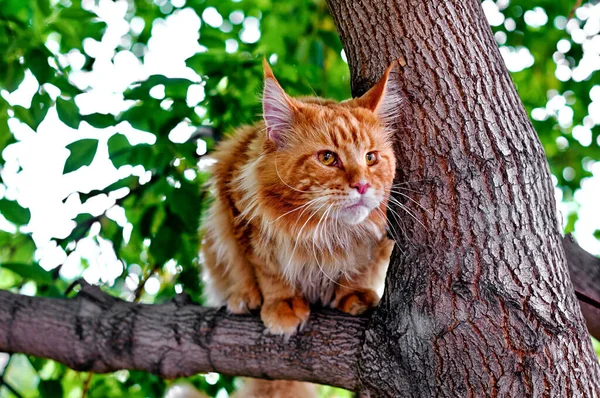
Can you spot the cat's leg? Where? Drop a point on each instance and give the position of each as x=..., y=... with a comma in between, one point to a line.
x=357, y=294
x=352, y=297
x=214, y=274
x=243, y=292
x=284, y=311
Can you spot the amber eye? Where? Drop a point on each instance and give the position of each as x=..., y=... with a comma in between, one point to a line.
x=371, y=158
x=328, y=158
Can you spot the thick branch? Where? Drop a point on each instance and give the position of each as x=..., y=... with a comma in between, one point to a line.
x=98, y=333
x=95, y=332
x=585, y=275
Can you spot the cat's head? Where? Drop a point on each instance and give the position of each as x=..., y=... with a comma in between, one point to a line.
x=328, y=160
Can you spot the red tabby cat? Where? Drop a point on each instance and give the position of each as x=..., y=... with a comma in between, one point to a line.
x=299, y=210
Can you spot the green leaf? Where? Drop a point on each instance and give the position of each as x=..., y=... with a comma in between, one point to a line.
x=165, y=244
x=137, y=116
x=50, y=388
x=99, y=120
x=14, y=213
x=112, y=231
x=82, y=154
x=40, y=105
x=30, y=272
x=125, y=182
x=13, y=75
x=597, y=234
x=185, y=203
x=119, y=150
x=24, y=115
x=6, y=137
x=37, y=61
x=68, y=112
x=175, y=88
x=44, y=6
x=145, y=225
x=84, y=221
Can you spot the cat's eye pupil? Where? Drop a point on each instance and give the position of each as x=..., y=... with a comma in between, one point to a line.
x=371, y=158
x=327, y=158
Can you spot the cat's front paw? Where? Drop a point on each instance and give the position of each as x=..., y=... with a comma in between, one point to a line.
x=356, y=302
x=244, y=300
x=285, y=317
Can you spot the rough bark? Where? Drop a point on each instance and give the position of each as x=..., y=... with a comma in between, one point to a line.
x=584, y=270
x=479, y=300
x=95, y=332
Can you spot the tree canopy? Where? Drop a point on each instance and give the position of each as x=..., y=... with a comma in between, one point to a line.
x=108, y=111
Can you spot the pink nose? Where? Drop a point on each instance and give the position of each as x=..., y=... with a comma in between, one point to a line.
x=361, y=187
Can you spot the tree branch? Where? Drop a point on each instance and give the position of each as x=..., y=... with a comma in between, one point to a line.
x=99, y=333
x=584, y=269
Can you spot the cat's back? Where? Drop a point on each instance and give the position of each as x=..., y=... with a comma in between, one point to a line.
x=235, y=151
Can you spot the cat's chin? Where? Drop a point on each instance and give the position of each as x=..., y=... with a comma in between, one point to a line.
x=354, y=214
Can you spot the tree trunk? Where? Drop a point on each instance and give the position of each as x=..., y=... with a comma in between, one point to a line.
x=479, y=300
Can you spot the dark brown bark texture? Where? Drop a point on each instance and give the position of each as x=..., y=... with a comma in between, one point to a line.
x=99, y=333
x=95, y=332
x=479, y=300
x=585, y=274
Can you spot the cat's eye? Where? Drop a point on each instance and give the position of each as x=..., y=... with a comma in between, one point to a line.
x=328, y=158
x=371, y=158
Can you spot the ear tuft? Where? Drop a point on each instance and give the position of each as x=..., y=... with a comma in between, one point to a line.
x=277, y=107
x=384, y=97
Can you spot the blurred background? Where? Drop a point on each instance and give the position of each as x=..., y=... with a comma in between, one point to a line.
x=108, y=108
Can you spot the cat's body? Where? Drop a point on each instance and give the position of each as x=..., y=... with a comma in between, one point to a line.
x=299, y=208
x=245, y=230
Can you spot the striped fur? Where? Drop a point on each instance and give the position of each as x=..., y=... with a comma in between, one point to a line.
x=285, y=230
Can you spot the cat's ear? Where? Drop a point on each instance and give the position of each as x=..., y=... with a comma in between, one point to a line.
x=384, y=97
x=278, y=107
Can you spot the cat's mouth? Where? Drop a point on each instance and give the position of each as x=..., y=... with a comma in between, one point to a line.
x=356, y=206
x=355, y=213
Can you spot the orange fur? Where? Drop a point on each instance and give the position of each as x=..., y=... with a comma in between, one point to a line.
x=276, y=389
x=286, y=230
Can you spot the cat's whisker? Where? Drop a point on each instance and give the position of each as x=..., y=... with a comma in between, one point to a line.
x=412, y=200
x=397, y=203
x=393, y=230
x=399, y=184
x=400, y=222
x=296, y=209
x=300, y=234
x=317, y=260
x=388, y=188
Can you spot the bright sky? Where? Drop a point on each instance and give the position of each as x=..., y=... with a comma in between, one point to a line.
x=41, y=186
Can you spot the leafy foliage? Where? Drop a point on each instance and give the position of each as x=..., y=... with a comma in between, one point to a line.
x=137, y=233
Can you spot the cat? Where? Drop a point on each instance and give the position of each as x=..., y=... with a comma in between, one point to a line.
x=299, y=210
x=299, y=207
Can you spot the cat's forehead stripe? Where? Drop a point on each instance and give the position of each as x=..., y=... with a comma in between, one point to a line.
x=348, y=127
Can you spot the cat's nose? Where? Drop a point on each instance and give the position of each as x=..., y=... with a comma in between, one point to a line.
x=360, y=186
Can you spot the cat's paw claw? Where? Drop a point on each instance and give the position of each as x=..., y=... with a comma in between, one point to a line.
x=356, y=302
x=244, y=301
x=285, y=317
